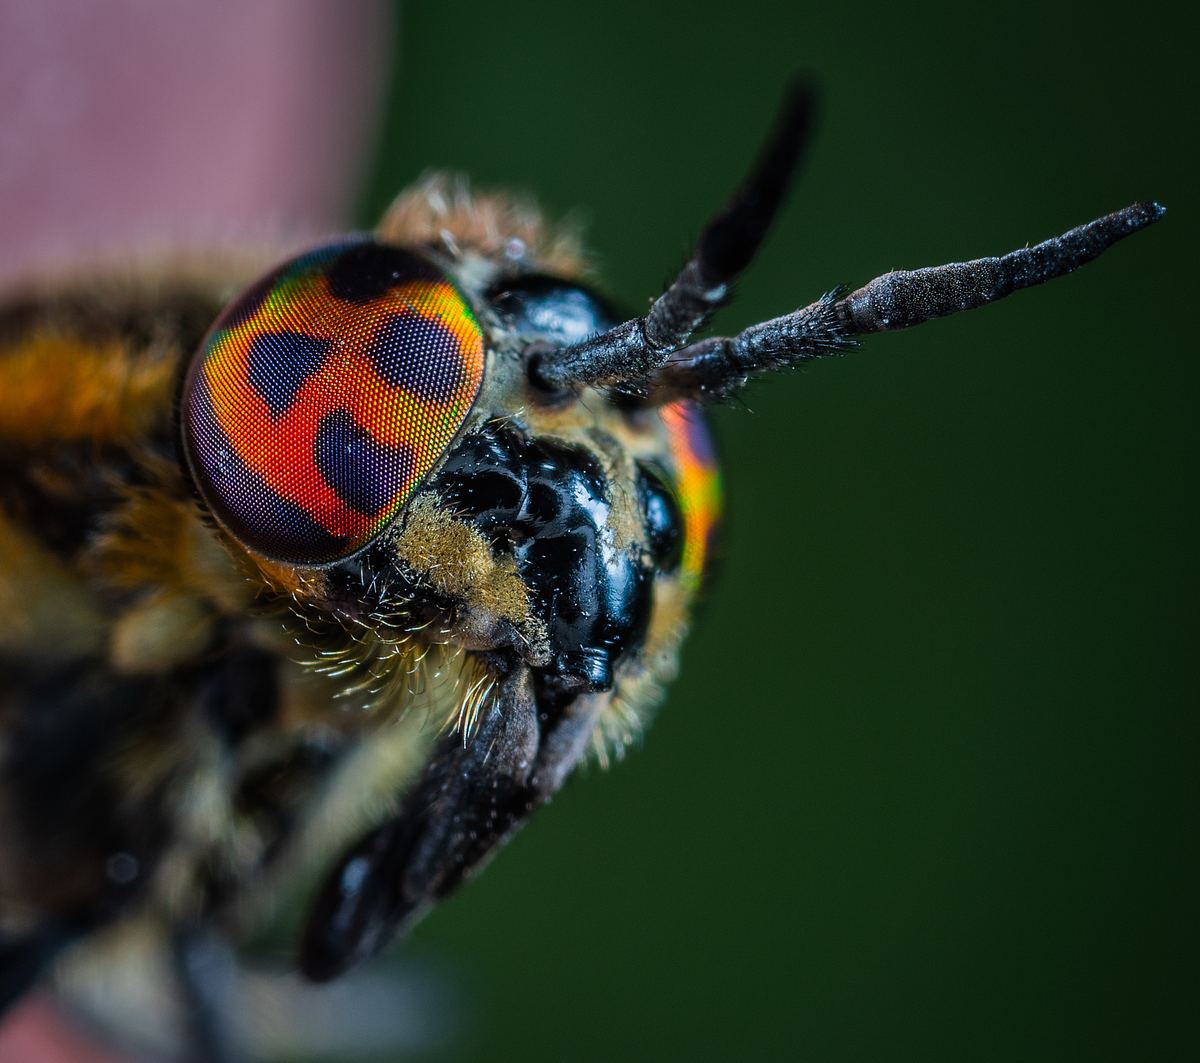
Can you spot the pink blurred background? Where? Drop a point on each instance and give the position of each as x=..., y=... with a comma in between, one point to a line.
x=131, y=121
x=132, y=124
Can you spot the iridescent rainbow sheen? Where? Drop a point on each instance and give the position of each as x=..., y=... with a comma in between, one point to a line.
x=325, y=394
x=698, y=482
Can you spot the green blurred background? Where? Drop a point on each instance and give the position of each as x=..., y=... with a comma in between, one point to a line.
x=926, y=788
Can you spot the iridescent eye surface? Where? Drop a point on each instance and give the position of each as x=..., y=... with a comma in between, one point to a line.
x=324, y=394
x=699, y=485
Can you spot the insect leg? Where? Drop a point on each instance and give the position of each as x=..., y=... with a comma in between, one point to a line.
x=728, y=243
x=715, y=367
x=471, y=796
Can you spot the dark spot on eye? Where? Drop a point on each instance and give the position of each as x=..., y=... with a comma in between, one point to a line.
x=365, y=473
x=280, y=362
x=419, y=354
x=240, y=498
x=368, y=270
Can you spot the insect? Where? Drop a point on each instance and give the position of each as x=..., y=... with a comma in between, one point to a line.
x=364, y=558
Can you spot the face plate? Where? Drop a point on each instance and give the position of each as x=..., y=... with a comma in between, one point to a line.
x=324, y=395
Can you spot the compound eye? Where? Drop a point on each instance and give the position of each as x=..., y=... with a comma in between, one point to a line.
x=323, y=395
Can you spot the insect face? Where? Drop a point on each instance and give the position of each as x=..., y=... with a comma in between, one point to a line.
x=457, y=478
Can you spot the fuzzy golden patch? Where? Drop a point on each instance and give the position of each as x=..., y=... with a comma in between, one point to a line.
x=458, y=561
x=59, y=387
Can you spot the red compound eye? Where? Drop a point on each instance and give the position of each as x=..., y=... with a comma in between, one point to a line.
x=323, y=396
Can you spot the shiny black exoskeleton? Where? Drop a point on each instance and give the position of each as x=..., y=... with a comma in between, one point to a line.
x=548, y=503
x=540, y=307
